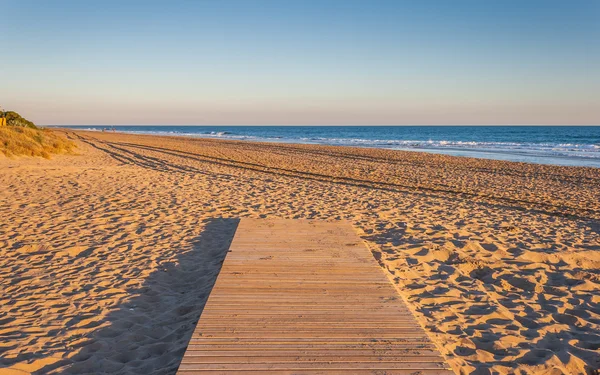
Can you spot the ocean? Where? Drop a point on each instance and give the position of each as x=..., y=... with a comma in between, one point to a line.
x=558, y=145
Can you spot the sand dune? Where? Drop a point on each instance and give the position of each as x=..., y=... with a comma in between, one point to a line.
x=107, y=257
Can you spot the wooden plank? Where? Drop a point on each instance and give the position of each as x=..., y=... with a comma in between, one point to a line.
x=306, y=297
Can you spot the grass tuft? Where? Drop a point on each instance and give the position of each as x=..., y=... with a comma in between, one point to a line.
x=25, y=141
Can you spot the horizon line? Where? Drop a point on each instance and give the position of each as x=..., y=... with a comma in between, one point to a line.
x=322, y=125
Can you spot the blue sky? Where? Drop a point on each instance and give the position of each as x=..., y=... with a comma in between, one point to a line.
x=301, y=62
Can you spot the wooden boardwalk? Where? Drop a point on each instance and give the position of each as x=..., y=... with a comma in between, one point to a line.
x=306, y=297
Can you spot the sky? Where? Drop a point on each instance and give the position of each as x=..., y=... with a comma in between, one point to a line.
x=287, y=62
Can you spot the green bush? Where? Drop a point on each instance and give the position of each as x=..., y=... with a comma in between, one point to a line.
x=14, y=119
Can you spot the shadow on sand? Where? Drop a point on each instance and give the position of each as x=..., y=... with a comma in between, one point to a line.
x=149, y=333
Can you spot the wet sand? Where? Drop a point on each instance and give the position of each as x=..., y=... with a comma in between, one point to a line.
x=107, y=257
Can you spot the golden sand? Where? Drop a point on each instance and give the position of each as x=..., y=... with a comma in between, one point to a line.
x=105, y=262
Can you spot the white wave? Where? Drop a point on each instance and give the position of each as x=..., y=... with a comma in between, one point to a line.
x=548, y=149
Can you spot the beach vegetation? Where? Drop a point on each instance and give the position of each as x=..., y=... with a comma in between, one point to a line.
x=15, y=119
x=27, y=141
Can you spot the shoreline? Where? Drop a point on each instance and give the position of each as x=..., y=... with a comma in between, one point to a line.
x=108, y=257
x=382, y=153
x=477, y=149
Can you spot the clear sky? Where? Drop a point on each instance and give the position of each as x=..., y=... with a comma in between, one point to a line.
x=284, y=62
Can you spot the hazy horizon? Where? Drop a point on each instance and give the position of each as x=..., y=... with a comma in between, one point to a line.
x=395, y=63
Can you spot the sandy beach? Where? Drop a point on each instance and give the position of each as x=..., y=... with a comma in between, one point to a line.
x=107, y=257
